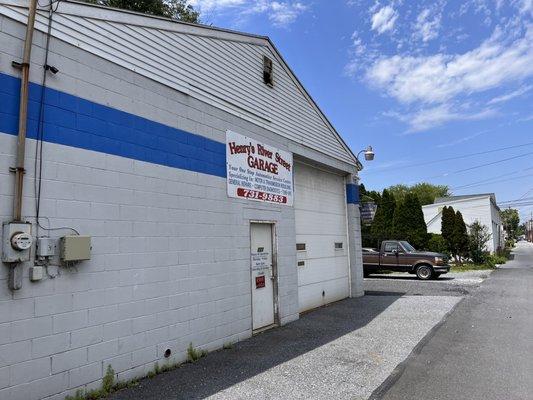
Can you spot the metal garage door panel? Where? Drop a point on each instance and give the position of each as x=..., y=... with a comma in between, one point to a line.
x=320, y=213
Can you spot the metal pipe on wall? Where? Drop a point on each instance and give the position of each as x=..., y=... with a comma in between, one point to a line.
x=23, y=113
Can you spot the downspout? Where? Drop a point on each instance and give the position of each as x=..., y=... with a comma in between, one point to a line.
x=23, y=113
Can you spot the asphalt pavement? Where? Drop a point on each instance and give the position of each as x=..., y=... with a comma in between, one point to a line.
x=342, y=351
x=483, y=350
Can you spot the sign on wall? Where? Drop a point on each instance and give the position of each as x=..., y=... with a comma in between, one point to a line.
x=257, y=171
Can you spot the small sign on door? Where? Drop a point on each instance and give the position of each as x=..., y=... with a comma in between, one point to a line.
x=259, y=282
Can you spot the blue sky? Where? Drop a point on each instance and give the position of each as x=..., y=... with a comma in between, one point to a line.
x=418, y=80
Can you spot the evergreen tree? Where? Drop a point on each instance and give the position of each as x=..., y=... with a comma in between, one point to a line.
x=460, y=236
x=418, y=231
x=408, y=222
x=382, y=225
x=447, y=228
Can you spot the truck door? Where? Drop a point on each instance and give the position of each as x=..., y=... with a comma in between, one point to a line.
x=389, y=255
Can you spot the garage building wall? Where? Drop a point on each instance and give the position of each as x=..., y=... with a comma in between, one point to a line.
x=170, y=261
x=140, y=167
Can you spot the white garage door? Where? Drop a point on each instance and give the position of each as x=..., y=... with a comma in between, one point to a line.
x=321, y=237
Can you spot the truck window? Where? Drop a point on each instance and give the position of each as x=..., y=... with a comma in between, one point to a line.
x=390, y=247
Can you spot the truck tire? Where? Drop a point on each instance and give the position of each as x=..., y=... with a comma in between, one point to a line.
x=424, y=272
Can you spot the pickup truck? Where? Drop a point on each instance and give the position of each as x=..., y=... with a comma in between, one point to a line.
x=400, y=256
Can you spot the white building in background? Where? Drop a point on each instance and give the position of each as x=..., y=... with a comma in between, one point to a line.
x=218, y=198
x=475, y=207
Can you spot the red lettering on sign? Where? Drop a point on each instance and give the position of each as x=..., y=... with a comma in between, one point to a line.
x=258, y=195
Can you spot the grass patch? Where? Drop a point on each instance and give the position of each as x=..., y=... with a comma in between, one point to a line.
x=490, y=263
x=471, y=267
x=109, y=385
x=228, y=346
x=195, y=354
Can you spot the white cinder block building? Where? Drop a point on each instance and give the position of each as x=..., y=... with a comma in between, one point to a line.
x=475, y=207
x=217, y=198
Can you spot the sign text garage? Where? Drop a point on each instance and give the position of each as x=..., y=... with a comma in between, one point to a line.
x=258, y=171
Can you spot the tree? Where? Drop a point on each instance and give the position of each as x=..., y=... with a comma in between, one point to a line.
x=437, y=244
x=511, y=222
x=459, y=237
x=447, y=228
x=382, y=225
x=478, y=237
x=408, y=222
x=175, y=9
x=426, y=192
x=369, y=195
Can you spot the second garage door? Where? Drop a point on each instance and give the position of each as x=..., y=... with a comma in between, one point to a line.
x=321, y=237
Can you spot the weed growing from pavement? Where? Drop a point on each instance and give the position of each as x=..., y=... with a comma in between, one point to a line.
x=195, y=354
x=109, y=385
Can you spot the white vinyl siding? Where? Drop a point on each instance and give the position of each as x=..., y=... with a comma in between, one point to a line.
x=479, y=209
x=223, y=71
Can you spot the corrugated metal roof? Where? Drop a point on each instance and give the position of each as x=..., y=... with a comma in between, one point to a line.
x=221, y=67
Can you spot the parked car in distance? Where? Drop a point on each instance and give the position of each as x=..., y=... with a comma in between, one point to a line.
x=400, y=256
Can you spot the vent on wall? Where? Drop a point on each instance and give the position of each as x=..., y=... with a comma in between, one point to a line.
x=300, y=247
x=268, y=73
x=338, y=245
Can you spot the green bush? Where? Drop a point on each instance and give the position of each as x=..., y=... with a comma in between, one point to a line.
x=494, y=259
x=437, y=244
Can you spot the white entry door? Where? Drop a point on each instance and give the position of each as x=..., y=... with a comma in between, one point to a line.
x=262, y=275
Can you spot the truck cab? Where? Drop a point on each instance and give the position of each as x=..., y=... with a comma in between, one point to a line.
x=400, y=256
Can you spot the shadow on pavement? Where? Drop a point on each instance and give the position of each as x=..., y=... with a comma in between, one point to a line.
x=225, y=368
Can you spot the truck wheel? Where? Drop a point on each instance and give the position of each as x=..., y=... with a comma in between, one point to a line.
x=424, y=272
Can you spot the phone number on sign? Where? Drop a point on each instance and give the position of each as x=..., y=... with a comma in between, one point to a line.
x=257, y=195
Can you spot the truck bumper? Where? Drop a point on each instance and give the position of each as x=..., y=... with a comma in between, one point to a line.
x=441, y=269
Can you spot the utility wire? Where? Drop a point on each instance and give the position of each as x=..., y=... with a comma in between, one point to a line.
x=479, y=166
x=38, y=163
x=490, y=179
x=496, y=181
x=450, y=158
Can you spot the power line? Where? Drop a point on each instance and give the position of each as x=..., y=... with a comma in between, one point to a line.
x=450, y=158
x=490, y=179
x=480, y=166
x=495, y=181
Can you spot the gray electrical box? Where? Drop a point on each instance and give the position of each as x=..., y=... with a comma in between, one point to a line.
x=75, y=248
x=16, y=242
x=46, y=247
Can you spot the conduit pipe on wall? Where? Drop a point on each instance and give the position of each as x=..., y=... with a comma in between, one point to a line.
x=23, y=113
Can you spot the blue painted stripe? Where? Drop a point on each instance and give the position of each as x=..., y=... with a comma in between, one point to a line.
x=352, y=193
x=73, y=121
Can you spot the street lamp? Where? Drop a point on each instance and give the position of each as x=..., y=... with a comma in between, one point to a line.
x=369, y=156
x=369, y=153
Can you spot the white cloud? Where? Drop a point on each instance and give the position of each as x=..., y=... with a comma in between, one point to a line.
x=462, y=140
x=438, y=78
x=526, y=6
x=280, y=13
x=428, y=118
x=285, y=13
x=213, y=5
x=509, y=96
x=427, y=25
x=384, y=19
